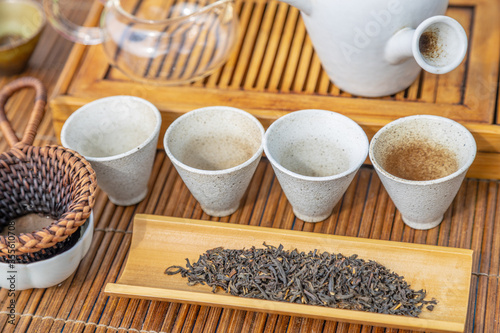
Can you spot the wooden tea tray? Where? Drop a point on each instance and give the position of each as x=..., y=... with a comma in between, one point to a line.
x=159, y=242
x=274, y=70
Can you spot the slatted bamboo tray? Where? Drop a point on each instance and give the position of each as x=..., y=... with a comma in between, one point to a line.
x=274, y=70
x=159, y=242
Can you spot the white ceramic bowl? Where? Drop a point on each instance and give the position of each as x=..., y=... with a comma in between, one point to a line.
x=49, y=272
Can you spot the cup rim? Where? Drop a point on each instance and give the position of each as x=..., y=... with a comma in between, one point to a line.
x=35, y=33
x=175, y=160
x=278, y=165
x=84, y=108
x=462, y=169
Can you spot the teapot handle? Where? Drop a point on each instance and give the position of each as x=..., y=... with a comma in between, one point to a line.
x=70, y=30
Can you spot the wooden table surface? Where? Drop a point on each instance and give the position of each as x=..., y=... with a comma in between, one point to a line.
x=79, y=304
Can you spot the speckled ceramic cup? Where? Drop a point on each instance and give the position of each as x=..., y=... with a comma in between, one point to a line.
x=118, y=135
x=215, y=150
x=422, y=161
x=315, y=155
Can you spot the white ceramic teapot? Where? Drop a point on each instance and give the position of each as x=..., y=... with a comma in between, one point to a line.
x=377, y=47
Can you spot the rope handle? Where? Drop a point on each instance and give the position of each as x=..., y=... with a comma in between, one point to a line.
x=36, y=114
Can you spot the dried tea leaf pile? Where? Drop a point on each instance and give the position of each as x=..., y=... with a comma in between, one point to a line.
x=309, y=278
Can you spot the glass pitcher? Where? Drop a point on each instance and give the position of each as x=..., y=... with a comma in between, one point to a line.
x=163, y=42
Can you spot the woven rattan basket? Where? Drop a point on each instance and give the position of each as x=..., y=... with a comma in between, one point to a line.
x=51, y=181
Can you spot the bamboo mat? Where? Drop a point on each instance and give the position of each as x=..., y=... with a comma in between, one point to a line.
x=79, y=305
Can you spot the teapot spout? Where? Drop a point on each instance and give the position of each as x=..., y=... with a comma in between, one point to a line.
x=438, y=44
x=305, y=6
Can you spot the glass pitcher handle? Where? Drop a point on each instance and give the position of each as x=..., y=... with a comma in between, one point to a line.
x=70, y=30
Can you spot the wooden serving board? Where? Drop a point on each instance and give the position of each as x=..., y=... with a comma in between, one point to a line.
x=159, y=242
x=274, y=70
